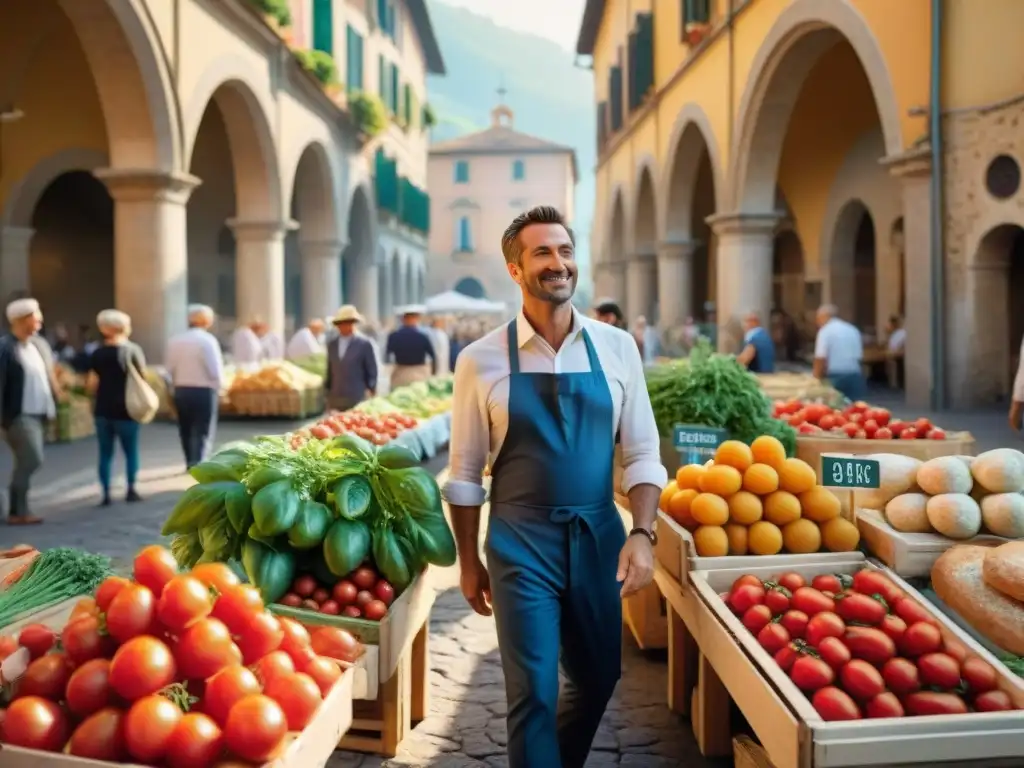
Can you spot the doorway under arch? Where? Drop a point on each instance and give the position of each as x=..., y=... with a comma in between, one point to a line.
x=997, y=275
x=470, y=286
x=852, y=272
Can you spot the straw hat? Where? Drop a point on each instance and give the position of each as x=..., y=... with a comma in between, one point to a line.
x=347, y=314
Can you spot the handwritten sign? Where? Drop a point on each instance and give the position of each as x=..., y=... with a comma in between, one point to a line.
x=695, y=443
x=850, y=472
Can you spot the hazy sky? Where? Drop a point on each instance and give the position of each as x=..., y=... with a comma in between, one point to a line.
x=557, y=20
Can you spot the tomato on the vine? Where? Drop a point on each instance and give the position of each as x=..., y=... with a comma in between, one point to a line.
x=236, y=605
x=325, y=672
x=227, y=688
x=46, y=677
x=261, y=635
x=148, y=727
x=89, y=689
x=255, y=729
x=85, y=639
x=142, y=666
x=184, y=601
x=108, y=590
x=154, y=567
x=204, y=649
x=298, y=695
x=35, y=723
x=100, y=737
x=273, y=664
x=196, y=742
x=216, y=575
x=131, y=613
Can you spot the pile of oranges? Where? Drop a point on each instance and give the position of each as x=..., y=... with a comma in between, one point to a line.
x=751, y=499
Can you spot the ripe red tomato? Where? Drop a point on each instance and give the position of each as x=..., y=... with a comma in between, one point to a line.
x=861, y=680
x=330, y=608
x=84, y=639
x=363, y=598
x=335, y=643
x=295, y=636
x=939, y=670
x=833, y=652
x=100, y=737
x=185, y=600
x=34, y=723
x=908, y=434
x=993, y=701
x=256, y=727
x=827, y=582
x=884, y=705
x=298, y=695
x=320, y=595
x=131, y=613
x=148, y=727
x=824, y=625
x=273, y=664
x=744, y=579
x=325, y=672
x=777, y=597
x=920, y=638
x=364, y=578
x=756, y=618
x=773, y=637
x=196, y=742
x=894, y=627
x=384, y=592
x=108, y=589
x=901, y=676
x=911, y=611
x=227, y=688
x=291, y=600
x=833, y=705
x=46, y=677
x=344, y=592
x=792, y=581
x=89, y=690
x=979, y=675
x=785, y=657
x=321, y=432
x=810, y=674
x=795, y=623
x=154, y=566
x=923, y=425
x=884, y=433
x=811, y=601
x=304, y=585
x=141, y=667
x=869, y=582
x=855, y=607
x=310, y=605
x=37, y=638
x=352, y=611
x=870, y=644
x=932, y=703
x=216, y=575
x=259, y=637
x=746, y=596
x=204, y=649
x=936, y=434
x=236, y=605
x=8, y=645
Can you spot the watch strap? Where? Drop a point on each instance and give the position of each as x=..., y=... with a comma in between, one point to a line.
x=651, y=536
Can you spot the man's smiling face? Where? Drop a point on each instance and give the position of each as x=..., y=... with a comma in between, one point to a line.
x=548, y=269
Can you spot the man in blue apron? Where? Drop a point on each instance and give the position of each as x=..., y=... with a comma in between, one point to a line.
x=543, y=397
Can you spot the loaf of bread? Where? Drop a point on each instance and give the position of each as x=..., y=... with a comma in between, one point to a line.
x=958, y=579
x=1004, y=569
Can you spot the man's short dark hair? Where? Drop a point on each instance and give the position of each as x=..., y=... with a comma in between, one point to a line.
x=511, y=248
x=610, y=308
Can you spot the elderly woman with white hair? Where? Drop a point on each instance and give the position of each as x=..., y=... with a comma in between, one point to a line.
x=108, y=381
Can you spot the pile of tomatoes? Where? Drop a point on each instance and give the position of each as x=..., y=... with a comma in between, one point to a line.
x=862, y=648
x=174, y=669
x=379, y=430
x=858, y=420
x=363, y=594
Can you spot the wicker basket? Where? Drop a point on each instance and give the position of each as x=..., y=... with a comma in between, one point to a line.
x=291, y=403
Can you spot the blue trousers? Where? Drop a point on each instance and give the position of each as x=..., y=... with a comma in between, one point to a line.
x=109, y=431
x=851, y=385
x=197, y=421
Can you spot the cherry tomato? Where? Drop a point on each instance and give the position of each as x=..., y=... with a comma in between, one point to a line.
x=826, y=582
x=46, y=677
x=894, y=627
x=273, y=664
x=884, y=705
x=256, y=728
x=832, y=704
x=148, y=727
x=863, y=609
x=920, y=638
x=861, y=680
x=291, y=599
x=979, y=675
x=833, y=652
x=37, y=638
x=298, y=695
x=795, y=623
x=141, y=667
x=363, y=597
x=295, y=638
x=745, y=597
x=351, y=611
x=196, y=742
x=108, y=590
x=330, y=608
x=154, y=567
x=870, y=644
x=364, y=578
x=993, y=701
x=225, y=689
x=869, y=583
x=791, y=581
x=811, y=601
x=939, y=670
x=325, y=672
x=216, y=575
x=932, y=703
x=261, y=635
x=131, y=613
x=236, y=605
x=310, y=605
x=810, y=673
x=184, y=601
x=85, y=639
x=344, y=592
x=335, y=643
x=773, y=637
x=756, y=618
x=901, y=676
x=89, y=690
x=320, y=595
x=786, y=657
x=911, y=611
x=100, y=737
x=375, y=610
x=824, y=625
x=204, y=649
x=34, y=723
x=777, y=599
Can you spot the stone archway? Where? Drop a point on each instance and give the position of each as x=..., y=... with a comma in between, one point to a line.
x=385, y=302
x=411, y=282
x=421, y=284
x=642, y=267
x=852, y=273
x=359, y=258
x=470, y=286
x=610, y=272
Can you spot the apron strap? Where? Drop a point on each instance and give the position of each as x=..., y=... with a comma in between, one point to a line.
x=592, y=358
x=513, y=347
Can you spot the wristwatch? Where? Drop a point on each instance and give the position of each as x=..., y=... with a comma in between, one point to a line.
x=651, y=535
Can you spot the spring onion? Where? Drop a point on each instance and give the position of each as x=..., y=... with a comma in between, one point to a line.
x=57, y=574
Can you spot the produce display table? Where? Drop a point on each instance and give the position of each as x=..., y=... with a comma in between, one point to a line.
x=811, y=447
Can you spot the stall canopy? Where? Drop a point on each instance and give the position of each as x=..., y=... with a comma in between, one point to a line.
x=453, y=302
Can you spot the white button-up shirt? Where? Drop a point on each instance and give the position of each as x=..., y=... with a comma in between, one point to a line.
x=36, y=396
x=840, y=345
x=194, y=360
x=480, y=404
x=303, y=344
x=272, y=345
x=246, y=347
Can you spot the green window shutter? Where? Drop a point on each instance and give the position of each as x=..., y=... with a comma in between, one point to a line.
x=323, y=25
x=382, y=78
x=407, y=104
x=395, y=90
x=645, y=54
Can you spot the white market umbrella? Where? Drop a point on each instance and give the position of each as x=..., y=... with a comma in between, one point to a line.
x=453, y=302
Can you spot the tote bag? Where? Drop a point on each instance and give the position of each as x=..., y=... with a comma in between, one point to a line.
x=140, y=400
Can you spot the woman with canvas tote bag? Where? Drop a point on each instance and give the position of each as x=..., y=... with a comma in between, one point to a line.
x=123, y=399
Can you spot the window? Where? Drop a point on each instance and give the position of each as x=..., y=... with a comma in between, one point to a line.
x=465, y=244
x=696, y=11
x=408, y=105
x=383, y=79
x=462, y=172
x=394, y=91
x=323, y=25
x=387, y=16
x=354, y=60
x=518, y=170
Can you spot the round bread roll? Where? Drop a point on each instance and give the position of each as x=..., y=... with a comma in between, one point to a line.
x=1004, y=569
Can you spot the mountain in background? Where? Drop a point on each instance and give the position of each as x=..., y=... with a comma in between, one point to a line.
x=551, y=97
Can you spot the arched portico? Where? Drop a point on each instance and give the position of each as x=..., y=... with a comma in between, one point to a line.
x=359, y=255
x=610, y=273
x=319, y=238
x=642, y=267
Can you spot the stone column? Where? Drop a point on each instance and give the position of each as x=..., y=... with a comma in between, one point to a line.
x=744, y=271
x=15, y=246
x=385, y=300
x=913, y=169
x=675, y=283
x=365, y=290
x=259, y=270
x=320, y=266
x=150, y=252
x=641, y=286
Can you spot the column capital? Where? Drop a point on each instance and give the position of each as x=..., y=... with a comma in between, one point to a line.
x=321, y=249
x=643, y=257
x=914, y=163
x=15, y=237
x=140, y=184
x=742, y=223
x=250, y=230
x=677, y=249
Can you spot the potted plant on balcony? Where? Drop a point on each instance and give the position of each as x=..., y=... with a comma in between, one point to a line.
x=276, y=13
x=368, y=113
x=696, y=32
x=429, y=118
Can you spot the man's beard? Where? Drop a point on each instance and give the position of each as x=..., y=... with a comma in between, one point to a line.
x=550, y=293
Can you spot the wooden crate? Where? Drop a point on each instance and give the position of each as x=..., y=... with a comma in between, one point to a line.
x=811, y=447
x=644, y=613
x=53, y=616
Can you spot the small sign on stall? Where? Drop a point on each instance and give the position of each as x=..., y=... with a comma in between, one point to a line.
x=850, y=472
x=697, y=444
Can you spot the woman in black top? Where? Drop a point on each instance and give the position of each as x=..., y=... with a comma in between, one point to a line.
x=107, y=381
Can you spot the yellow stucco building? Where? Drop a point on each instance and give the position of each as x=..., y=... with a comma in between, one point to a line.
x=266, y=157
x=784, y=153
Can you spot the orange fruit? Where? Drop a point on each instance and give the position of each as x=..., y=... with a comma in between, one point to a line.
x=709, y=509
x=679, y=508
x=760, y=479
x=840, y=535
x=711, y=541
x=688, y=476
x=721, y=479
x=768, y=450
x=733, y=453
x=781, y=508
x=745, y=508
x=763, y=538
x=801, y=537
x=667, y=492
x=737, y=536
x=796, y=476
x=819, y=504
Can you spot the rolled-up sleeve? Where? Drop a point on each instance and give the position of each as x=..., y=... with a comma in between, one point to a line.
x=638, y=432
x=470, y=439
